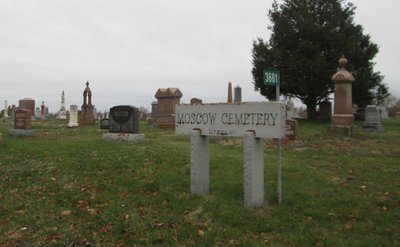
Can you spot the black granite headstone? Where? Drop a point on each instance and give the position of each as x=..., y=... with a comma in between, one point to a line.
x=124, y=119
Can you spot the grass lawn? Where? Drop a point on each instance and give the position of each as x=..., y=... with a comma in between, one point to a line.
x=68, y=187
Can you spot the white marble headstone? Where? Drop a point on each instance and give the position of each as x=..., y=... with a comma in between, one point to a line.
x=73, y=116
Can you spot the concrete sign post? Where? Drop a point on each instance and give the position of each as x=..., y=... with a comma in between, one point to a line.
x=199, y=164
x=252, y=121
x=253, y=170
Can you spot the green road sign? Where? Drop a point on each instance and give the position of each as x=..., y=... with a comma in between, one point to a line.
x=272, y=77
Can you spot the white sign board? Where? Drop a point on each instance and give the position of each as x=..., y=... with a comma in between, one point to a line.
x=265, y=119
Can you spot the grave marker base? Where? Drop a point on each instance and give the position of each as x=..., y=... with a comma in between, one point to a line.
x=372, y=127
x=123, y=137
x=19, y=132
x=339, y=130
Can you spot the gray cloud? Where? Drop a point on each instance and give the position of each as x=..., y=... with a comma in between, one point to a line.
x=129, y=49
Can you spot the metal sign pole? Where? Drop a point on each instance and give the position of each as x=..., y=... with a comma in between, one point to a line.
x=272, y=78
x=279, y=155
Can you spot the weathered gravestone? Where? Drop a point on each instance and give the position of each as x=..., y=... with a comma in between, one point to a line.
x=62, y=113
x=43, y=110
x=13, y=109
x=325, y=110
x=384, y=113
x=229, y=92
x=124, y=124
x=105, y=124
x=1, y=138
x=342, y=119
x=290, y=110
x=73, y=117
x=237, y=94
x=22, y=119
x=292, y=127
x=196, y=101
x=29, y=104
x=153, y=115
x=22, y=123
x=5, y=109
x=87, y=113
x=167, y=98
x=252, y=121
x=372, y=119
x=37, y=112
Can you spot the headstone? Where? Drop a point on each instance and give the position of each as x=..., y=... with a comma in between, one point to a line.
x=106, y=114
x=124, y=119
x=342, y=119
x=22, y=123
x=13, y=109
x=383, y=112
x=37, y=112
x=22, y=119
x=290, y=110
x=105, y=124
x=292, y=127
x=94, y=113
x=325, y=110
x=5, y=109
x=73, y=117
x=372, y=119
x=29, y=104
x=196, y=101
x=167, y=98
x=153, y=114
x=237, y=95
x=359, y=114
x=87, y=113
x=42, y=110
x=229, y=92
x=62, y=113
x=1, y=138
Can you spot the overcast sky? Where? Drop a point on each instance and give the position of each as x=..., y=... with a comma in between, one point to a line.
x=128, y=49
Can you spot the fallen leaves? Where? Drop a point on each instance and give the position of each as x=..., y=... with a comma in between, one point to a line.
x=308, y=219
x=52, y=238
x=66, y=212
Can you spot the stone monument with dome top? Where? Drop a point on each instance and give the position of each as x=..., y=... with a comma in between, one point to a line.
x=342, y=119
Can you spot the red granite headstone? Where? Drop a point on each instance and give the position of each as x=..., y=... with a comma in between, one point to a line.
x=167, y=99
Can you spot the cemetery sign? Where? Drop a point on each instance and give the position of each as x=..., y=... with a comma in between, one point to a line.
x=265, y=119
